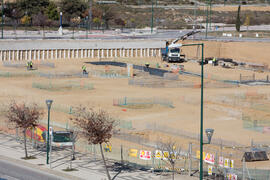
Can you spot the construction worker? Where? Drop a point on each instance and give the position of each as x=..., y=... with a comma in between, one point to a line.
x=29, y=65
x=147, y=65
x=214, y=61
x=84, y=69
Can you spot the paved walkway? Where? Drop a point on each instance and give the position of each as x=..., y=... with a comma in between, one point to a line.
x=87, y=166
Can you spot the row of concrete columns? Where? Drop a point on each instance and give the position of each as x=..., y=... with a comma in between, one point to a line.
x=16, y=55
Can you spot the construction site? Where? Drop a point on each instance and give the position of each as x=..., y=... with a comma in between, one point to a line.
x=160, y=102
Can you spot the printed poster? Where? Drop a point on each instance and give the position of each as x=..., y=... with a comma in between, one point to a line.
x=145, y=155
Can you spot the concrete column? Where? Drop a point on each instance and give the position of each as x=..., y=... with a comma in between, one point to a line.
x=9, y=54
x=73, y=53
x=115, y=53
x=132, y=52
x=85, y=53
x=120, y=52
x=136, y=52
x=1, y=55
x=92, y=53
x=18, y=55
x=21, y=55
x=56, y=54
x=155, y=51
x=124, y=53
x=98, y=52
x=107, y=53
x=60, y=54
x=26, y=55
x=127, y=52
x=47, y=53
x=141, y=52
x=43, y=54
x=5, y=53
x=159, y=52
x=77, y=53
x=144, y=52
x=68, y=54
x=64, y=53
x=147, y=52
x=35, y=54
x=81, y=53
x=52, y=54
x=102, y=53
x=13, y=55
x=111, y=52
x=88, y=53
x=38, y=54
x=152, y=52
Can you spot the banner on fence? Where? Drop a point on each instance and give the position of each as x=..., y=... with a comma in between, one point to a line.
x=209, y=158
x=198, y=155
x=133, y=152
x=145, y=155
x=226, y=163
x=231, y=176
x=232, y=164
x=158, y=154
x=210, y=170
x=221, y=161
x=165, y=155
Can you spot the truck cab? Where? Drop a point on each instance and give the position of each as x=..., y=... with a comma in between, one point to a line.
x=172, y=54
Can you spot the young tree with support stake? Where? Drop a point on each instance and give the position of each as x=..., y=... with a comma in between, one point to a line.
x=96, y=126
x=238, y=21
x=171, y=153
x=24, y=117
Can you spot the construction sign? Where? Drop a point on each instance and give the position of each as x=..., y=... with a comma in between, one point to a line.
x=133, y=152
x=231, y=164
x=209, y=158
x=221, y=161
x=198, y=155
x=145, y=155
x=226, y=163
x=108, y=148
x=165, y=155
x=210, y=170
x=158, y=154
x=231, y=176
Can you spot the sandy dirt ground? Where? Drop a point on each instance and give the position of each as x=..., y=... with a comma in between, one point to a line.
x=225, y=118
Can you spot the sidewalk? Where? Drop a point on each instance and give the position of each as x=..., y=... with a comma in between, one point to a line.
x=87, y=166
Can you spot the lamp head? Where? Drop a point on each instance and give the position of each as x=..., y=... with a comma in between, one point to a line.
x=209, y=134
x=49, y=103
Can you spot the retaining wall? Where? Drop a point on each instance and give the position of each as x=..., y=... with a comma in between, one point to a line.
x=50, y=54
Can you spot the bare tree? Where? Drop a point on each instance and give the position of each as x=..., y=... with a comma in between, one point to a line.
x=41, y=20
x=96, y=126
x=24, y=117
x=170, y=154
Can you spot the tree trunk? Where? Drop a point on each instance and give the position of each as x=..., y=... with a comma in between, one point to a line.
x=172, y=171
x=43, y=32
x=107, y=172
x=25, y=149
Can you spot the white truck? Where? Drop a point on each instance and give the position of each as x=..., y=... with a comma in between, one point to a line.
x=172, y=53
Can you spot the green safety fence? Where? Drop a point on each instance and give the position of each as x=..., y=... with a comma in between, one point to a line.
x=62, y=86
x=17, y=74
x=142, y=101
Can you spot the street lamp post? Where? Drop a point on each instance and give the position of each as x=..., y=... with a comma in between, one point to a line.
x=49, y=104
x=201, y=121
x=152, y=19
x=2, y=21
x=61, y=28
